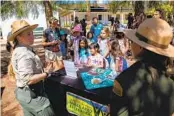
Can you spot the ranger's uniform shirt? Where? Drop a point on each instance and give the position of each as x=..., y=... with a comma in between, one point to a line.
x=25, y=64
x=136, y=93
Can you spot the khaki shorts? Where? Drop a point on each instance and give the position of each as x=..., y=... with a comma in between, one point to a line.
x=53, y=56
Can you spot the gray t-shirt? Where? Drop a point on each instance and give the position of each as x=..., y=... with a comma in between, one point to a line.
x=25, y=64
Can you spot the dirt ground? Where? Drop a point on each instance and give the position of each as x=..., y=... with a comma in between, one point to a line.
x=9, y=104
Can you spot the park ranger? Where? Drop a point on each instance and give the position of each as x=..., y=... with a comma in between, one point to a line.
x=28, y=71
x=146, y=88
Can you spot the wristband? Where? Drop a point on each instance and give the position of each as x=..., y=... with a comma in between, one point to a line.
x=47, y=74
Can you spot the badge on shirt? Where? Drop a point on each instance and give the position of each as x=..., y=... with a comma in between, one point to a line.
x=117, y=89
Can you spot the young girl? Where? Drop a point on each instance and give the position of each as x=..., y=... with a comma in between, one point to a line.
x=123, y=42
x=64, y=44
x=75, y=43
x=103, y=42
x=90, y=38
x=118, y=63
x=83, y=51
x=95, y=60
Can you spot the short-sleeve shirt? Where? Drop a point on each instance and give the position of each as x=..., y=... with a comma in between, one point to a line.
x=96, y=29
x=25, y=64
x=122, y=63
x=90, y=41
x=50, y=36
x=103, y=46
x=76, y=48
x=83, y=56
x=96, y=60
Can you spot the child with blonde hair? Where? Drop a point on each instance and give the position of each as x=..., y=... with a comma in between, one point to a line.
x=103, y=42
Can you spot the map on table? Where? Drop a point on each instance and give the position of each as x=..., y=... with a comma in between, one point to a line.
x=98, y=78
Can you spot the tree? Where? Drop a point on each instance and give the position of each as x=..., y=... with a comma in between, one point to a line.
x=19, y=9
x=65, y=4
x=153, y=4
x=172, y=4
x=114, y=6
x=48, y=11
x=76, y=5
x=88, y=9
x=166, y=7
x=22, y=9
x=138, y=7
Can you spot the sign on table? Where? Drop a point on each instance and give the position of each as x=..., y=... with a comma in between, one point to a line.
x=81, y=106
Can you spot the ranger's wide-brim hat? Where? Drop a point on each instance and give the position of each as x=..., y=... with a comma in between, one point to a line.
x=154, y=35
x=18, y=27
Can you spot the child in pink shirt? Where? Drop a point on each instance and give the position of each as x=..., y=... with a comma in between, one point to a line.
x=95, y=60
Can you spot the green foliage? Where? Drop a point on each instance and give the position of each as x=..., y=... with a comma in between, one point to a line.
x=54, y=5
x=167, y=8
x=164, y=6
x=20, y=9
x=64, y=4
x=82, y=6
x=125, y=21
x=67, y=24
x=69, y=5
x=113, y=6
x=150, y=11
x=153, y=4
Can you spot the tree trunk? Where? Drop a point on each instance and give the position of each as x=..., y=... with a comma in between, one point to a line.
x=172, y=3
x=88, y=10
x=139, y=7
x=48, y=10
x=87, y=16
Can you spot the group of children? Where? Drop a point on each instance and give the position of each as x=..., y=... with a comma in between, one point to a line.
x=105, y=53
